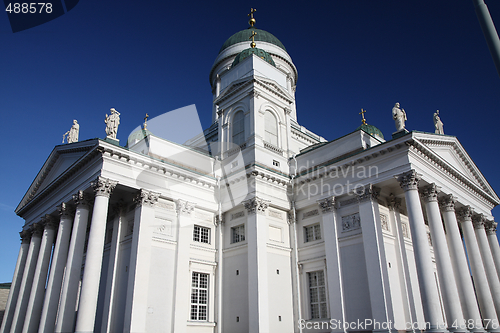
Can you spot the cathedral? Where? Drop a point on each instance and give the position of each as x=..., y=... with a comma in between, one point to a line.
x=257, y=224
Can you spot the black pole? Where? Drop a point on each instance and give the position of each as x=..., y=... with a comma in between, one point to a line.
x=489, y=31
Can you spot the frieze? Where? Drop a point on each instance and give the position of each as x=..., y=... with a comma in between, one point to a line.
x=384, y=222
x=275, y=214
x=351, y=222
x=184, y=207
x=237, y=215
x=310, y=213
x=406, y=230
x=166, y=205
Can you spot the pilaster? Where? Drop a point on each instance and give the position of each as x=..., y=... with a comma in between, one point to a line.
x=375, y=260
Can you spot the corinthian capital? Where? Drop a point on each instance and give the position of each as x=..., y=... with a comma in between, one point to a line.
x=36, y=229
x=430, y=192
x=367, y=192
x=409, y=180
x=65, y=210
x=327, y=205
x=25, y=236
x=184, y=207
x=447, y=203
x=491, y=227
x=465, y=213
x=103, y=186
x=146, y=198
x=49, y=222
x=393, y=202
x=256, y=205
x=82, y=199
x=478, y=221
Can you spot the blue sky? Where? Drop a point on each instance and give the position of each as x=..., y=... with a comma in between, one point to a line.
x=155, y=56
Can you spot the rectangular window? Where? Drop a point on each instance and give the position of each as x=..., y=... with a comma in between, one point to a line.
x=312, y=233
x=199, y=296
x=238, y=234
x=201, y=234
x=317, y=294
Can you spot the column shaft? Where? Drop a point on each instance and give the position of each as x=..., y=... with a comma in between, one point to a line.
x=489, y=264
x=449, y=291
x=27, y=282
x=69, y=291
x=35, y=303
x=51, y=302
x=425, y=271
x=484, y=297
x=460, y=266
x=10, y=307
x=92, y=271
x=491, y=232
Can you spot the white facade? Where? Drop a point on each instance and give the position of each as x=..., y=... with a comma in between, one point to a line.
x=274, y=230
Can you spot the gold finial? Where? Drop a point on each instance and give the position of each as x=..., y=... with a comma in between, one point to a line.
x=145, y=126
x=252, y=20
x=252, y=44
x=362, y=113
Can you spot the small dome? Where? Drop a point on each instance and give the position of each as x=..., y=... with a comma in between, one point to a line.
x=137, y=136
x=245, y=36
x=372, y=130
x=258, y=52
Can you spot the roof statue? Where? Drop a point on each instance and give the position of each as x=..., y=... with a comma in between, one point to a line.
x=438, y=124
x=72, y=133
x=112, y=121
x=399, y=116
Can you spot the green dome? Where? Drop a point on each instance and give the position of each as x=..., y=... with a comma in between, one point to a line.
x=370, y=129
x=245, y=35
x=138, y=136
x=258, y=52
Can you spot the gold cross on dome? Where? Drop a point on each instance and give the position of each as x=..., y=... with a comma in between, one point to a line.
x=252, y=20
x=252, y=44
x=362, y=113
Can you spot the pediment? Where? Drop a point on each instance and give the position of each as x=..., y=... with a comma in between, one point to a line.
x=62, y=158
x=449, y=150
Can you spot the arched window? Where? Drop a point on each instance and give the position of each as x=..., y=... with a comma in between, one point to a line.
x=239, y=128
x=271, y=128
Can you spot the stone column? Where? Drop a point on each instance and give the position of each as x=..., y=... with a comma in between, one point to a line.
x=484, y=297
x=333, y=265
x=51, y=302
x=136, y=308
x=182, y=284
x=92, y=271
x=408, y=293
x=489, y=265
x=449, y=291
x=375, y=260
x=10, y=307
x=35, y=303
x=491, y=232
x=119, y=230
x=258, y=285
x=460, y=265
x=29, y=272
x=425, y=271
x=69, y=291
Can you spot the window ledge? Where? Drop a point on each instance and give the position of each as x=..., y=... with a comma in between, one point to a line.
x=201, y=323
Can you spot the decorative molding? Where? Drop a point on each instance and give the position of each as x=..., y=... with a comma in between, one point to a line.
x=349, y=202
x=367, y=192
x=288, y=111
x=237, y=215
x=409, y=180
x=273, y=148
x=166, y=205
x=430, y=192
x=184, y=207
x=327, y=205
x=103, y=186
x=82, y=199
x=384, y=222
x=406, y=230
x=256, y=205
x=478, y=221
x=65, y=210
x=291, y=216
x=254, y=93
x=146, y=198
x=491, y=227
x=351, y=222
x=275, y=214
x=465, y=213
x=447, y=203
x=310, y=213
x=220, y=219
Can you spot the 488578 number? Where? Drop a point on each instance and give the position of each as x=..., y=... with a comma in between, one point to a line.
x=26, y=8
